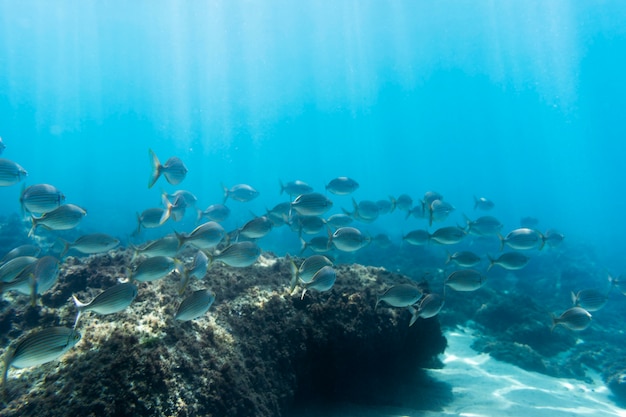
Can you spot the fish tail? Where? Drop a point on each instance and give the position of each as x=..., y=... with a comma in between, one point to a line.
x=554, y=322
x=448, y=257
x=33, y=228
x=66, y=248
x=5, y=372
x=491, y=262
x=22, y=206
x=79, y=305
x=303, y=245
x=302, y=296
x=156, y=168
x=33, y=290
x=414, y=315
x=184, y=282
x=199, y=215
x=225, y=193
x=393, y=203
x=543, y=240
x=294, y=276
x=168, y=209
x=501, y=241
x=282, y=186
x=377, y=301
x=78, y=314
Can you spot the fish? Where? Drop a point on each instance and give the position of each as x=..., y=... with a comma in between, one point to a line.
x=553, y=238
x=279, y=214
x=195, y=305
x=349, y=239
x=165, y=246
x=23, y=250
x=339, y=220
x=152, y=218
x=381, y=240
x=509, y=260
x=308, y=268
x=240, y=192
x=482, y=203
x=429, y=306
x=404, y=202
x=365, y=211
x=311, y=204
x=402, y=295
x=109, y=301
x=91, y=243
x=187, y=197
x=2, y=146
x=11, y=173
x=176, y=208
x=465, y=259
x=430, y=197
x=39, y=347
x=465, y=280
x=483, y=226
x=342, y=186
x=174, y=170
x=386, y=206
x=37, y=278
x=197, y=270
x=256, y=228
x=317, y=244
x=296, y=187
x=419, y=211
x=439, y=211
x=238, y=255
x=215, y=212
x=64, y=217
x=206, y=236
x=12, y=268
x=154, y=268
x=309, y=224
x=417, y=237
x=449, y=235
x=40, y=198
x=590, y=300
x=323, y=280
x=522, y=239
x=576, y=318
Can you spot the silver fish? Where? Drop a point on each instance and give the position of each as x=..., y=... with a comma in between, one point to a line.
x=63, y=217
x=187, y=197
x=590, y=300
x=41, y=198
x=365, y=211
x=36, y=278
x=576, y=318
x=109, y=301
x=429, y=306
x=310, y=225
x=381, y=240
x=439, y=211
x=339, y=220
x=465, y=259
x=509, y=260
x=420, y=211
x=92, y=243
x=23, y=250
x=482, y=203
x=165, y=246
x=151, y=269
x=522, y=239
x=296, y=187
x=152, y=218
x=10, y=173
x=323, y=280
x=206, y=236
x=553, y=238
x=386, y=206
x=238, y=255
x=449, y=235
x=308, y=268
x=484, y=226
x=176, y=208
x=256, y=228
x=342, y=186
x=194, y=306
x=197, y=270
x=39, y=347
x=430, y=196
x=279, y=214
x=465, y=280
x=402, y=295
x=240, y=192
x=349, y=239
x=174, y=170
x=404, y=202
x=318, y=244
x=215, y=212
x=417, y=237
x=11, y=269
x=311, y=204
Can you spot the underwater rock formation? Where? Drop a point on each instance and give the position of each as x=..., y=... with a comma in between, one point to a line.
x=257, y=352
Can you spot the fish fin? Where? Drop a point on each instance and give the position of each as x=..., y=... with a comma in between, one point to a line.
x=33, y=228
x=184, y=282
x=303, y=245
x=393, y=204
x=543, y=240
x=501, y=241
x=554, y=323
x=168, y=209
x=294, y=275
x=377, y=301
x=492, y=262
x=155, y=166
x=22, y=207
x=79, y=305
x=66, y=247
x=78, y=314
x=303, y=292
x=574, y=298
x=414, y=315
x=225, y=193
x=449, y=257
x=199, y=215
x=282, y=186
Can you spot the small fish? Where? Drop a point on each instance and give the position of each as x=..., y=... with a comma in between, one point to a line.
x=483, y=226
x=64, y=217
x=194, y=306
x=430, y=197
x=576, y=318
x=590, y=300
x=311, y=204
x=91, y=243
x=419, y=211
x=404, y=202
x=482, y=203
x=465, y=280
x=296, y=187
x=206, y=236
x=386, y=206
x=509, y=260
x=365, y=211
x=429, y=306
x=342, y=186
x=279, y=214
x=417, y=237
x=152, y=269
x=464, y=259
x=308, y=268
x=310, y=225
x=239, y=254
x=40, y=198
x=381, y=240
x=39, y=347
x=256, y=228
x=323, y=280
x=37, y=278
x=11, y=269
x=339, y=220
x=349, y=239
x=553, y=238
x=240, y=192
x=174, y=170
x=197, y=270
x=215, y=212
x=522, y=239
x=402, y=295
x=439, y=211
x=10, y=173
x=319, y=244
x=187, y=197
x=176, y=208
x=165, y=246
x=23, y=250
x=449, y=235
x=109, y=301
x=152, y=218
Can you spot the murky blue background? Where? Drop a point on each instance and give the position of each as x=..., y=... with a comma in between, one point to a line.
x=523, y=102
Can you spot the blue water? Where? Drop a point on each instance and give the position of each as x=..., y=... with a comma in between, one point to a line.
x=519, y=101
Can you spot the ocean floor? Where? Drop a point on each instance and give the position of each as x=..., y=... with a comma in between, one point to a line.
x=477, y=385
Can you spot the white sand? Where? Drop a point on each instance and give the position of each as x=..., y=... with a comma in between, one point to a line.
x=484, y=387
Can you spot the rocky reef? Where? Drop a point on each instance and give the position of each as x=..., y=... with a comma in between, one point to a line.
x=257, y=352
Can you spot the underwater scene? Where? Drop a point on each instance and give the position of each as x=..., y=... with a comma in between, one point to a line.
x=312, y=208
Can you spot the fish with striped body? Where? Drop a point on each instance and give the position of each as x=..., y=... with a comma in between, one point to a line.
x=197, y=270
x=342, y=186
x=465, y=280
x=296, y=187
x=23, y=250
x=402, y=295
x=37, y=278
x=152, y=218
x=509, y=260
x=449, y=235
x=465, y=259
x=40, y=198
x=152, y=269
x=165, y=246
x=91, y=244
x=404, y=202
x=553, y=238
x=349, y=239
x=256, y=228
x=39, y=347
x=11, y=269
x=311, y=204
x=319, y=244
x=429, y=306
x=238, y=255
x=386, y=206
x=339, y=220
x=576, y=318
x=64, y=217
x=240, y=192
x=523, y=239
x=109, y=301
x=365, y=211
x=187, y=197
x=308, y=268
x=417, y=237
x=174, y=170
x=215, y=212
x=10, y=173
x=482, y=203
x=310, y=225
x=195, y=305
x=483, y=226
x=439, y=211
x=322, y=281
x=206, y=236
x=590, y=299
